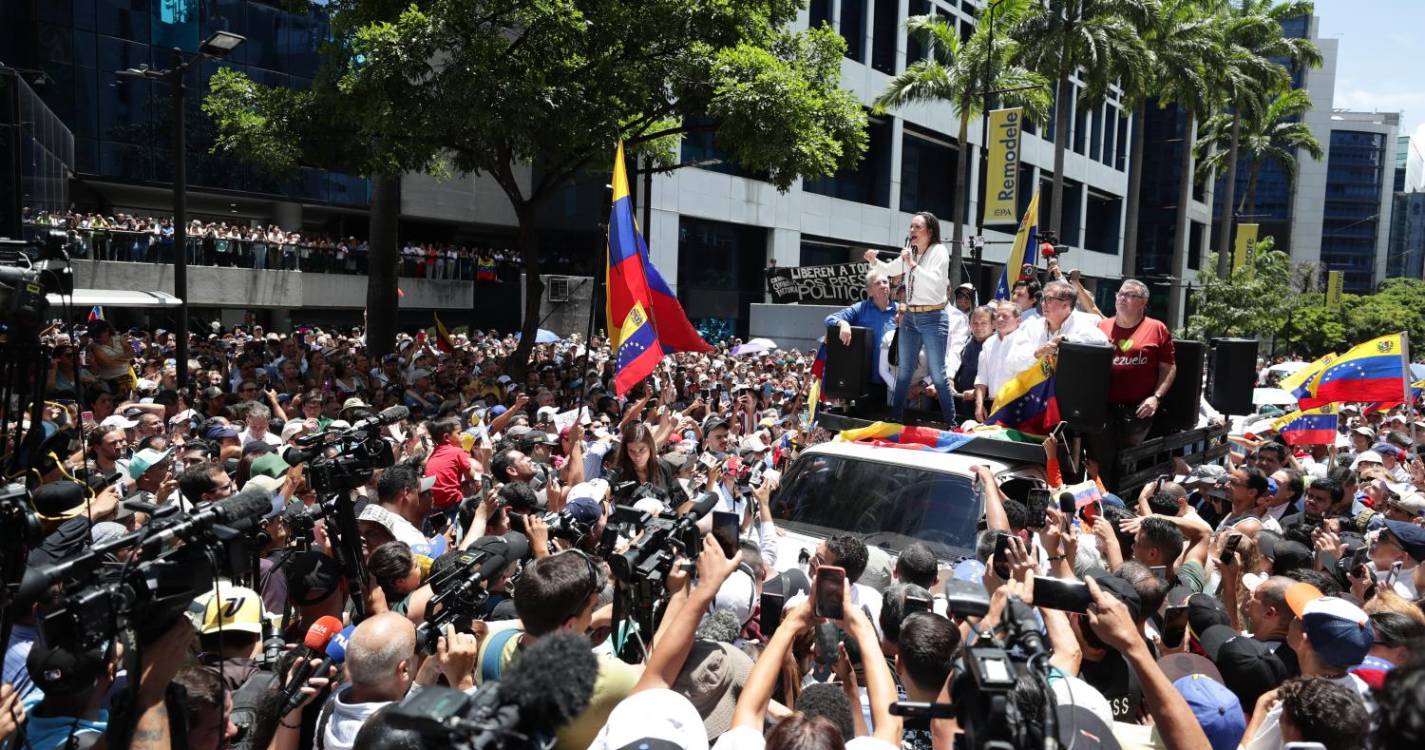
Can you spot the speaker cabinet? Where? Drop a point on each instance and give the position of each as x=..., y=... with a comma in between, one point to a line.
x=1180, y=403
x=1231, y=375
x=847, y=367
x=1081, y=384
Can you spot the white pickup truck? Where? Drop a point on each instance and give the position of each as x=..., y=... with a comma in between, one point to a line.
x=891, y=497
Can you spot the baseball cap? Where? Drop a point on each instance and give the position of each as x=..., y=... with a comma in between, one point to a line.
x=1339, y=631
x=312, y=577
x=212, y=392
x=354, y=402
x=1218, y=711
x=1205, y=611
x=1367, y=431
x=657, y=717
x=107, y=531
x=1367, y=457
x=545, y=414
x=1081, y=729
x=538, y=437
x=1386, y=449
x=269, y=465
x=712, y=678
x=118, y=420
x=228, y=608
x=61, y=670
x=585, y=510
x=1178, y=666
x=752, y=444
x=59, y=501
x=737, y=595
x=1120, y=589
x=220, y=431
x=1410, y=537
x=291, y=429
x=146, y=459
x=1248, y=666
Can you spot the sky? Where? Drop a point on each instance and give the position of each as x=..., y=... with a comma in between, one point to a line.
x=1374, y=69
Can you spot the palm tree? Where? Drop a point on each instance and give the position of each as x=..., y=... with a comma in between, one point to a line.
x=1097, y=39
x=1277, y=135
x=1179, y=38
x=955, y=72
x=1253, y=30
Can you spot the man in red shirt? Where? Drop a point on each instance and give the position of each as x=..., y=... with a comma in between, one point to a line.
x=1143, y=369
x=450, y=464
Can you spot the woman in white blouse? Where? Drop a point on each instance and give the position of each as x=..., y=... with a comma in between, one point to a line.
x=924, y=321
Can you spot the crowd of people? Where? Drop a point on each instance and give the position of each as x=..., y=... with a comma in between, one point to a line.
x=245, y=244
x=1271, y=598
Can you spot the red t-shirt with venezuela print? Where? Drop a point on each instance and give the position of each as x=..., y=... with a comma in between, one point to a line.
x=1137, y=352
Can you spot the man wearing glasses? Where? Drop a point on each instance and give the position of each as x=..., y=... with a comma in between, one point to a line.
x=1143, y=368
x=1059, y=322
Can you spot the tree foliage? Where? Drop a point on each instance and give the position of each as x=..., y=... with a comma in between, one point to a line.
x=490, y=87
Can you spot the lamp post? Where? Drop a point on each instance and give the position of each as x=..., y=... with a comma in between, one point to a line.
x=215, y=47
x=985, y=127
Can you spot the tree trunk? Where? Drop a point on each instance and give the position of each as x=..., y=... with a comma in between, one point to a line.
x=382, y=299
x=528, y=244
x=1181, y=233
x=1250, y=205
x=1229, y=196
x=1061, y=138
x=962, y=182
x=1135, y=186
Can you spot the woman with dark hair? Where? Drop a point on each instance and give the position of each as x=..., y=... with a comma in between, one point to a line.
x=638, y=462
x=923, y=320
x=109, y=359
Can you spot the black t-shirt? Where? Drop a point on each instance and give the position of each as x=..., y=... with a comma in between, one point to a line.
x=1115, y=679
x=71, y=538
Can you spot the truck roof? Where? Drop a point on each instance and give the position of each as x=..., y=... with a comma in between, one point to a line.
x=959, y=461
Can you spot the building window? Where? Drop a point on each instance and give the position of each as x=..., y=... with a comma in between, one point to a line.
x=1350, y=228
x=927, y=175
x=885, y=30
x=819, y=13
x=853, y=28
x=1102, y=225
x=720, y=274
x=870, y=180
x=914, y=48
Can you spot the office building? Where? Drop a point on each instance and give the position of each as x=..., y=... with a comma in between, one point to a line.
x=1356, y=206
x=1406, y=256
x=1409, y=165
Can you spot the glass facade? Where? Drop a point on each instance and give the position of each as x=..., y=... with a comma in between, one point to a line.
x=123, y=126
x=1355, y=174
x=870, y=180
x=720, y=274
x=1406, y=256
x=36, y=179
x=1158, y=198
x=927, y=175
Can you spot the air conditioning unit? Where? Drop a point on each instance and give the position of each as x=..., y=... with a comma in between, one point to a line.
x=558, y=288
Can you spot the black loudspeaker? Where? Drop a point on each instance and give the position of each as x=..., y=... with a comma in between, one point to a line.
x=847, y=373
x=1178, y=412
x=1081, y=384
x=1231, y=375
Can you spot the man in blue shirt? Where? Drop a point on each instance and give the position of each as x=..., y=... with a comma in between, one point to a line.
x=878, y=313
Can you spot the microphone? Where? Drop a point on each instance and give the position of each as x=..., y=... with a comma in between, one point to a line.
x=389, y=415
x=704, y=505
x=314, y=644
x=335, y=656
x=251, y=503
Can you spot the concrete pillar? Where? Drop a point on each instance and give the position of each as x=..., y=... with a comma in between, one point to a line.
x=287, y=215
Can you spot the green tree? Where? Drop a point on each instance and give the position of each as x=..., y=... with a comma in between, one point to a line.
x=1396, y=306
x=491, y=87
x=1277, y=134
x=1099, y=41
x=1253, y=302
x=955, y=72
x=1252, y=31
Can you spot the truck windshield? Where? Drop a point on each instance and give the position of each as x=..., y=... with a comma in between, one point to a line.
x=887, y=505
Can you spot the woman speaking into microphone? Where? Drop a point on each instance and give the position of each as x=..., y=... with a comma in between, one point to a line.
x=926, y=264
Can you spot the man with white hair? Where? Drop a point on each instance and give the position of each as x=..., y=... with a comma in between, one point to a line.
x=878, y=314
x=257, y=419
x=993, y=371
x=1059, y=322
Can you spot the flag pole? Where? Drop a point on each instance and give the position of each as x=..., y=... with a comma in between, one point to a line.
x=1405, y=380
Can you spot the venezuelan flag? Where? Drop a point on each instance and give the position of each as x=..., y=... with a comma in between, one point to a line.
x=1295, y=383
x=1085, y=493
x=892, y=435
x=1027, y=402
x=633, y=337
x=96, y=313
x=442, y=336
x=1373, y=371
x=818, y=368
x=1024, y=250
x=1308, y=427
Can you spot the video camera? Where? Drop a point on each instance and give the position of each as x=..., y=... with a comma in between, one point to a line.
x=459, y=592
x=30, y=270
x=155, y=585
x=342, y=460
x=983, y=679
x=665, y=537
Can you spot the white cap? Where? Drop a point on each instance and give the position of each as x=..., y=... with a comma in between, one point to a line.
x=1367, y=456
x=752, y=444
x=659, y=714
x=118, y=420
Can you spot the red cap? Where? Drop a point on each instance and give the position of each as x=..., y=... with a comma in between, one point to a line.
x=321, y=631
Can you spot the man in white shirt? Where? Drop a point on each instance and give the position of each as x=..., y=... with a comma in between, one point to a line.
x=1060, y=322
x=993, y=372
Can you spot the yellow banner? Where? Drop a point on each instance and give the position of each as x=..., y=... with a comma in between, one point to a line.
x=1334, y=281
x=1002, y=170
x=1242, y=254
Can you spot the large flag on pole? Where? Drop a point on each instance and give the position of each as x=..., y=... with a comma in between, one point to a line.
x=645, y=319
x=1024, y=250
x=1374, y=371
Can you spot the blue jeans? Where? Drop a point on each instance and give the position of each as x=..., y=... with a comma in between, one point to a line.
x=931, y=329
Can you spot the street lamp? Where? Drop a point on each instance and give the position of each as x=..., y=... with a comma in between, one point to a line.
x=215, y=47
